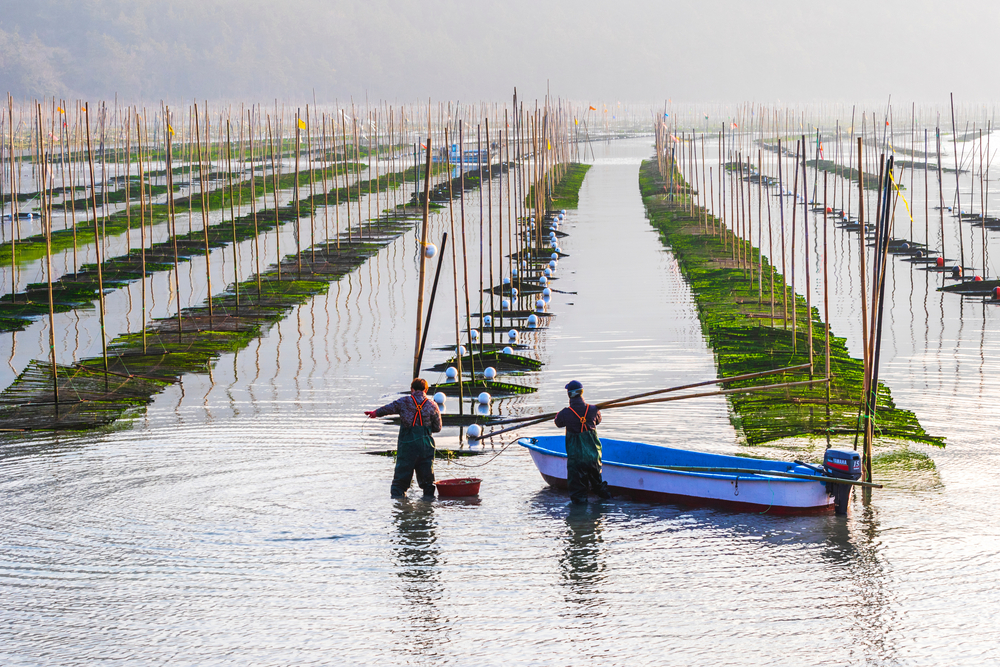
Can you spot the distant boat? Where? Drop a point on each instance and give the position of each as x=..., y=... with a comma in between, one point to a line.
x=637, y=470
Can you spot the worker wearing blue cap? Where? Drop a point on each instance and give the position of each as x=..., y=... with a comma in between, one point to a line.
x=583, y=447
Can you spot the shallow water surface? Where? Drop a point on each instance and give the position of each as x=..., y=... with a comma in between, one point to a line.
x=241, y=520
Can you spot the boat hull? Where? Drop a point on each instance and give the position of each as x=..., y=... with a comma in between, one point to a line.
x=629, y=470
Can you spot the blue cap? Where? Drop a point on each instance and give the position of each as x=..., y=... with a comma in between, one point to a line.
x=574, y=385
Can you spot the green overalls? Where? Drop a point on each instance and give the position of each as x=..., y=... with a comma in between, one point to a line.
x=583, y=462
x=414, y=453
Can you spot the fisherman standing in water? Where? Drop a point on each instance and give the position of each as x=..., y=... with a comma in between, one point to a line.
x=583, y=447
x=415, y=446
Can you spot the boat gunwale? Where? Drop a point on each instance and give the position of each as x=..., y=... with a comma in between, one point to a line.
x=761, y=477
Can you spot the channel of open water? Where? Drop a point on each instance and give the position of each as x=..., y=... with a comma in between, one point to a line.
x=241, y=519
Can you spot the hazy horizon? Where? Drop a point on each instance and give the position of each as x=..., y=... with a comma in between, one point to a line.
x=710, y=52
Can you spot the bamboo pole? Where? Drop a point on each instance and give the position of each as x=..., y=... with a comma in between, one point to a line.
x=454, y=276
x=142, y=228
x=795, y=206
x=347, y=181
x=15, y=220
x=864, y=287
x=171, y=214
x=465, y=258
x=232, y=213
x=611, y=405
x=204, y=204
x=253, y=202
x=97, y=248
x=423, y=253
x=46, y=207
x=274, y=181
x=958, y=198
x=807, y=249
x=826, y=308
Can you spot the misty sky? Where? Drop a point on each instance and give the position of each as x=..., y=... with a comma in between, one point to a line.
x=700, y=51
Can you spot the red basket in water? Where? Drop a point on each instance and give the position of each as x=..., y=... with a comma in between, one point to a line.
x=456, y=488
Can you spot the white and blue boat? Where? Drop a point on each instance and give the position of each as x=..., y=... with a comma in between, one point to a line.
x=651, y=473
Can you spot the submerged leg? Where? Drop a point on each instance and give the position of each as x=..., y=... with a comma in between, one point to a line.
x=425, y=473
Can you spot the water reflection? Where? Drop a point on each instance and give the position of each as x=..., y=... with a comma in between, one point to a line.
x=417, y=558
x=582, y=563
x=876, y=616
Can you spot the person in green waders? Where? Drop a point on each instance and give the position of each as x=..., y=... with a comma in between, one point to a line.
x=420, y=418
x=583, y=447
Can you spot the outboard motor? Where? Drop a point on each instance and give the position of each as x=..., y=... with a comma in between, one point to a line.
x=842, y=464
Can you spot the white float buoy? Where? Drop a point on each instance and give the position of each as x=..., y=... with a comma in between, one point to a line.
x=513, y=272
x=440, y=398
x=546, y=292
x=505, y=305
x=508, y=350
x=562, y=212
x=539, y=305
x=430, y=250
x=474, y=335
x=554, y=255
x=547, y=272
x=542, y=279
x=513, y=292
x=462, y=351
x=487, y=320
x=474, y=431
x=451, y=373
x=532, y=320
x=506, y=281
x=484, y=398
x=490, y=373
x=553, y=264
x=512, y=334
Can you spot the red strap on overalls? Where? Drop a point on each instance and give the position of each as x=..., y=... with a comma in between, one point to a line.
x=419, y=414
x=583, y=419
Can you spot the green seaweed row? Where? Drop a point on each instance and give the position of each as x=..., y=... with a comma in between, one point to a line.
x=727, y=300
x=34, y=247
x=566, y=192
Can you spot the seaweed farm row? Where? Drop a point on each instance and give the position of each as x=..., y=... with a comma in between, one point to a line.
x=751, y=334
x=80, y=289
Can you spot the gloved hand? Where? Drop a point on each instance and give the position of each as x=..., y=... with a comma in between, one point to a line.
x=371, y=414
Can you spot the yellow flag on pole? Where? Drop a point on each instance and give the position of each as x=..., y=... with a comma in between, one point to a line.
x=549, y=144
x=170, y=127
x=61, y=110
x=302, y=124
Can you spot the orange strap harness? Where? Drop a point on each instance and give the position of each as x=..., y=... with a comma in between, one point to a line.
x=583, y=419
x=420, y=414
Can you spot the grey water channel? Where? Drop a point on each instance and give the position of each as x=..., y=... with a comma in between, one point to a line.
x=242, y=519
